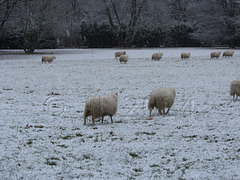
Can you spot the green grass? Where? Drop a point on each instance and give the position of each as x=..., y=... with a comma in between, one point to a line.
x=134, y=155
x=146, y=133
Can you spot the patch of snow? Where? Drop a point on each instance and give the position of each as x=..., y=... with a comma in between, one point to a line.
x=42, y=105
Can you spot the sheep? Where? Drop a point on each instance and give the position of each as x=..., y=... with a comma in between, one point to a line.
x=100, y=106
x=161, y=98
x=228, y=53
x=118, y=54
x=47, y=58
x=185, y=55
x=235, y=89
x=215, y=54
x=123, y=58
x=157, y=56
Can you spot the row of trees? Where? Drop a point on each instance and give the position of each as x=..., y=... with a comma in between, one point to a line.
x=31, y=24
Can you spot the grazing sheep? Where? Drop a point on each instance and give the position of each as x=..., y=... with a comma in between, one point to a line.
x=47, y=58
x=100, y=106
x=215, y=54
x=228, y=53
x=118, y=54
x=235, y=89
x=185, y=55
x=161, y=98
x=157, y=56
x=123, y=58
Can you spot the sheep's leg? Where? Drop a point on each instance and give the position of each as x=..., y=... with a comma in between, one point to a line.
x=167, y=111
x=160, y=112
x=111, y=119
x=164, y=112
x=93, y=121
x=102, y=119
x=84, y=121
x=236, y=97
x=150, y=113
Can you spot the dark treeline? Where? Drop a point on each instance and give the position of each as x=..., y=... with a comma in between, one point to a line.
x=33, y=24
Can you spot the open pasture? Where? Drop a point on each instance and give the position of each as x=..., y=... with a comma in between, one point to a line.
x=41, y=118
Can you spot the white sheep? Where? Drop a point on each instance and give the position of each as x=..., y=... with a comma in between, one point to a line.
x=48, y=58
x=123, y=58
x=185, y=55
x=157, y=56
x=215, y=54
x=100, y=106
x=235, y=89
x=118, y=54
x=161, y=98
x=228, y=53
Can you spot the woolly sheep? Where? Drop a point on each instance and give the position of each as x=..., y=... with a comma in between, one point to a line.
x=100, y=106
x=228, y=53
x=215, y=55
x=161, y=98
x=157, y=56
x=123, y=58
x=185, y=55
x=118, y=54
x=235, y=89
x=47, y=58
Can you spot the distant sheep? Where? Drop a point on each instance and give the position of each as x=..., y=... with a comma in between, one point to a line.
x=215, y=54
x=123, y=58
x=118, y=54
x=157, y=56
x=185, y=55
x=235, y=89
x=100, y=106
x=228, y=53
x=161, y=98
x=47, y=58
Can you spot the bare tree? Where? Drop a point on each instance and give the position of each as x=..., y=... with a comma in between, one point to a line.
x=35, y=16
x=6, y=8
x=229, y=18
x=178, y=10
x=124, y=28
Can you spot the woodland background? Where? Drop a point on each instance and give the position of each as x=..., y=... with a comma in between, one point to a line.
x=33, y=24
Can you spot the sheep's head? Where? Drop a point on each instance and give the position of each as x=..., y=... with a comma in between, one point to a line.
x=54, y=57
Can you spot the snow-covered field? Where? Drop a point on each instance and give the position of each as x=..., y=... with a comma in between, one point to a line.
x=41, y=118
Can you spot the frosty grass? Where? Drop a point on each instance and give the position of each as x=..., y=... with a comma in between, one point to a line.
x=41, y=120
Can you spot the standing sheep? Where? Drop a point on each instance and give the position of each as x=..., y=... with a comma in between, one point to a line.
x=228, y=53
x=161, y=98
x=185, y=55
x=123, y=58
x=47, y=58
x=118, y=54
x=157, y=56
x=215, y=54
x=235, y=89
x=100, y=106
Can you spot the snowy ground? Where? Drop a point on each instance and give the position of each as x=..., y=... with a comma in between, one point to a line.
x=41, y=120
